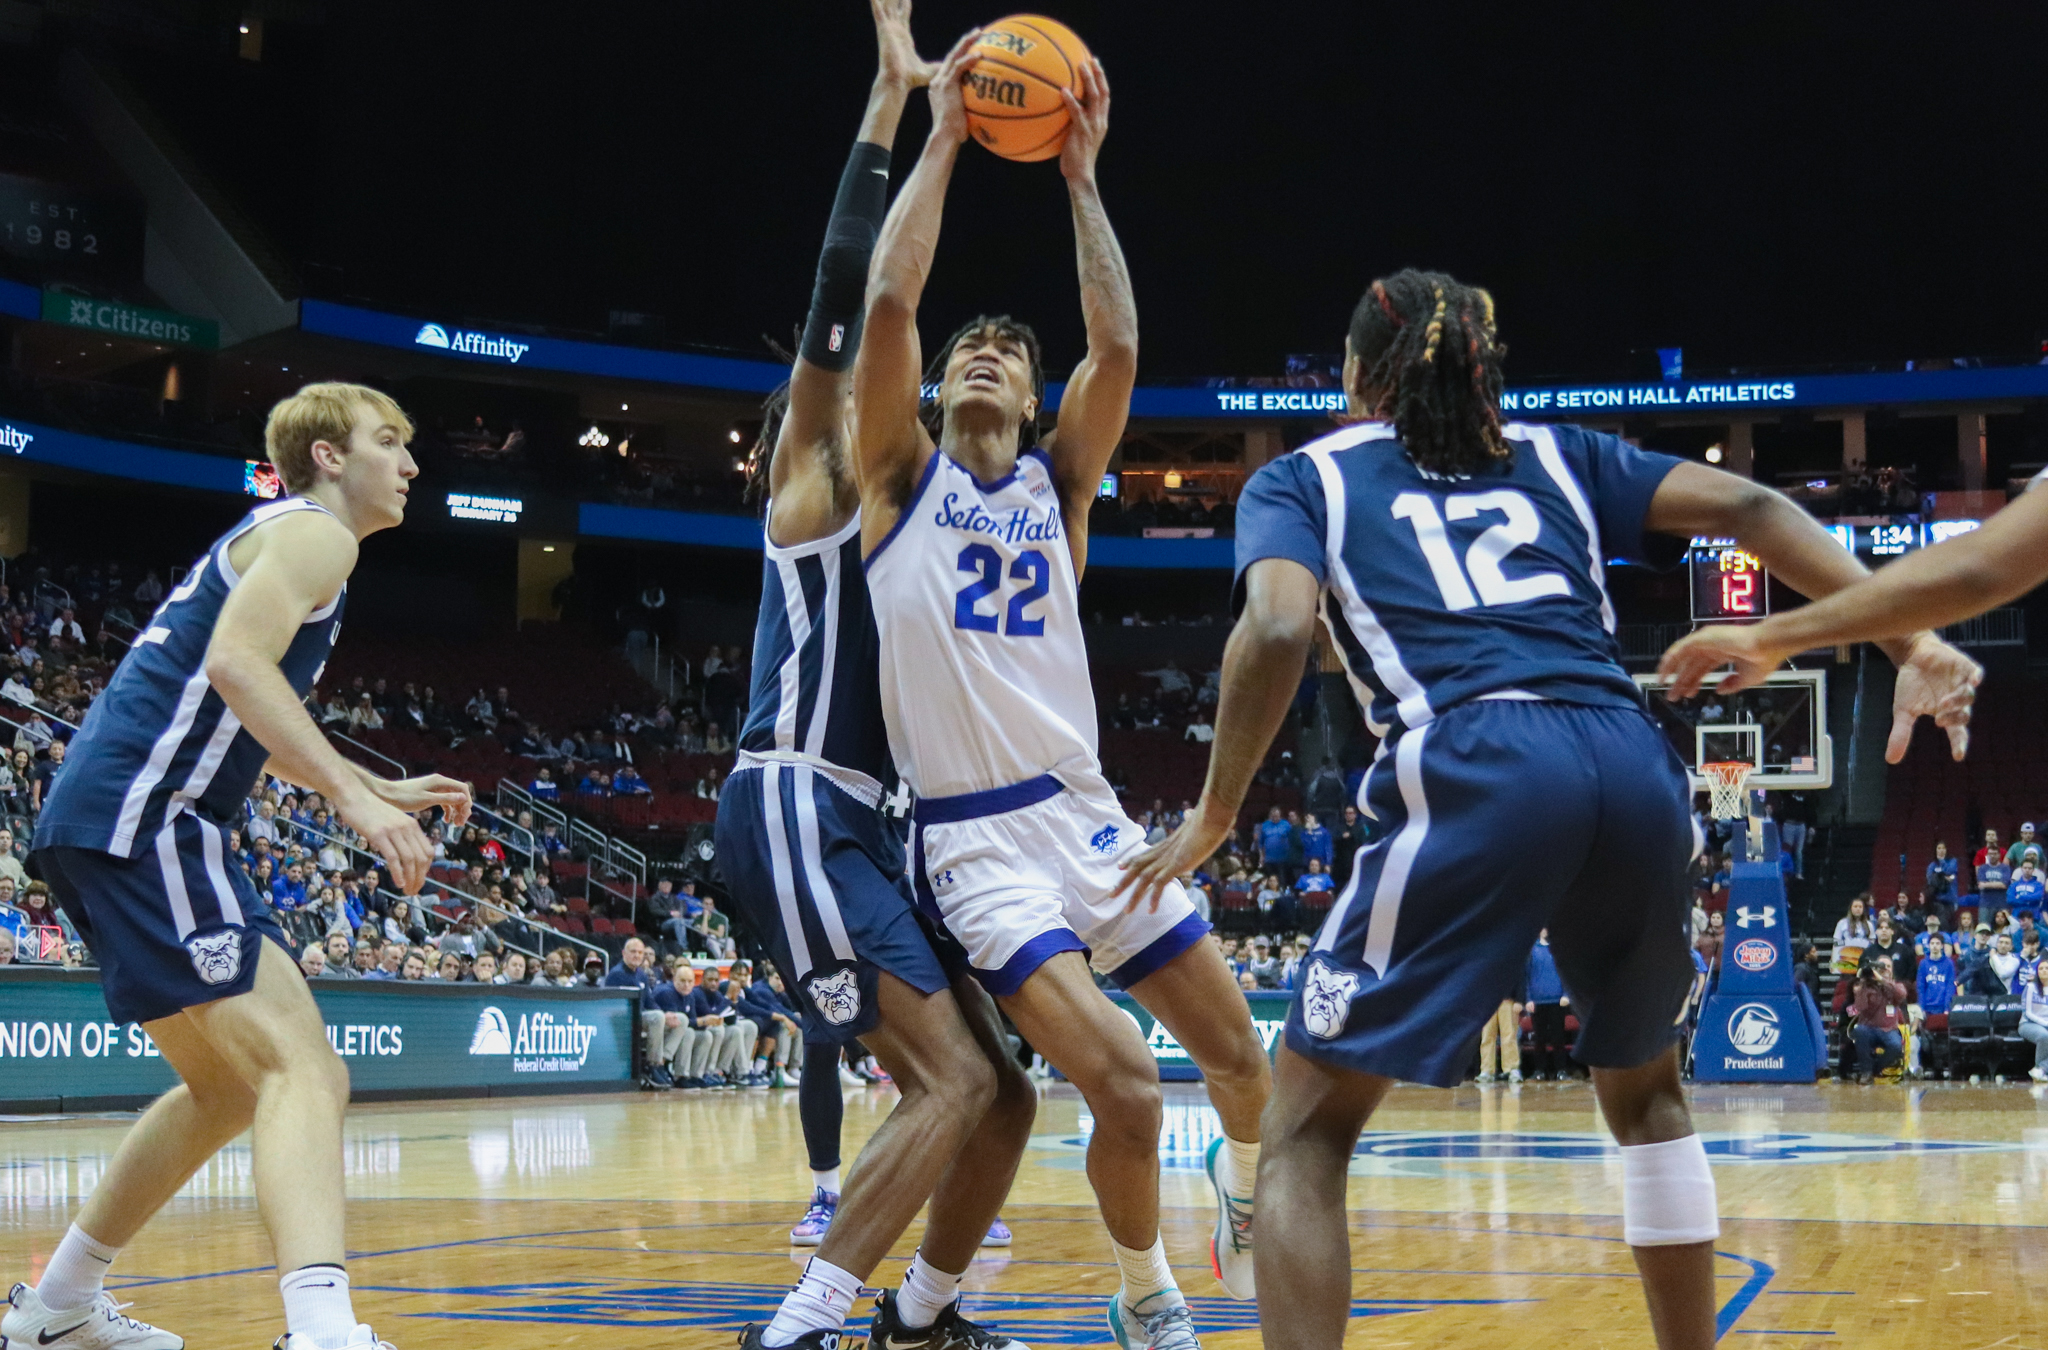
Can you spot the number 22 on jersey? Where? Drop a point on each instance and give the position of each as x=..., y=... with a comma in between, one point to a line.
x=986, y=565
x=1481, y=571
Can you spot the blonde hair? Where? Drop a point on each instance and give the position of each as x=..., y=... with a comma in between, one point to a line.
x=322, y=412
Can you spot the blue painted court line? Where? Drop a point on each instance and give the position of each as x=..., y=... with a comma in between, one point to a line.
x=1732, y=1311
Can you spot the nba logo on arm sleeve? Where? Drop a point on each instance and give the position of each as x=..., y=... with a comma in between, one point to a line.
x=837, y=338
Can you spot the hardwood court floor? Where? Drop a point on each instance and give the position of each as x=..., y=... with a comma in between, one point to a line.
x=1867, y=1217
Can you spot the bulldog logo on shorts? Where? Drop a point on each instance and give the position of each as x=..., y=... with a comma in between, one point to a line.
x=217, y=957
x=836, y=996
x=1326, y=999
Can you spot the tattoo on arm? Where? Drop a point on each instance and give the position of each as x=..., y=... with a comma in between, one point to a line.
x=1107, y=304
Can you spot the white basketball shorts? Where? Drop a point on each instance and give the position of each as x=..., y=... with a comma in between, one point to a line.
x=1021, y=873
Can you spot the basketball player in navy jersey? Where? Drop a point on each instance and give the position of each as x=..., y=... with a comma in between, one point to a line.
x=133, y=845
x=819, y=869
x=976, y=538
x=1458, y=564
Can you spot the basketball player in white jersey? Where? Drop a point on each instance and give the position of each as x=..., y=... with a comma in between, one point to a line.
x=975, y=540
x=132, y=841
x=815, y=866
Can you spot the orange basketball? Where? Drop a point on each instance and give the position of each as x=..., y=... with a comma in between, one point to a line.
x=1013, y=88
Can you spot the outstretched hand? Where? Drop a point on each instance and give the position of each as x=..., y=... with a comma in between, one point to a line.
x=1936, y=681
x=949, y=98
x=413, y=795
x=1690, y=660
x=899, y=62
x=1087, y=122
x=1148, y=872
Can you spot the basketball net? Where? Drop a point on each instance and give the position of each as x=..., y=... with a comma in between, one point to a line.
x=1728, y=799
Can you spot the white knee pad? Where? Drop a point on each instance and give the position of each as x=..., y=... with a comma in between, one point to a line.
x=1667, y=1194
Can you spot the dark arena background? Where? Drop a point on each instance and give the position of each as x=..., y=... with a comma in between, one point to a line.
x=1801, y=244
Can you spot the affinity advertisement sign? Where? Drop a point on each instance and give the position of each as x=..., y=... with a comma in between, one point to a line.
x=1269, y=1020
x=56, y=1040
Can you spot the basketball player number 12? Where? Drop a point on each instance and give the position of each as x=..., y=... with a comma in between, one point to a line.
x=1488, y=551
x=1029, y=566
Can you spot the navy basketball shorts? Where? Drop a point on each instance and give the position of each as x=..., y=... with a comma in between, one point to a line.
x=178, y=926
x=820, y=873
x=1492, y=822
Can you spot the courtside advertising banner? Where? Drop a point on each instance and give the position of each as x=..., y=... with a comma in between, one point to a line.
x=57, y=1042
x=1269, y=1020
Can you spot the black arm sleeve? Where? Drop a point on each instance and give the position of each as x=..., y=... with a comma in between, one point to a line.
x=838, y=301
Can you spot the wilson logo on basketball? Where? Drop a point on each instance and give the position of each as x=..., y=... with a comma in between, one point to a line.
x=1755, y=954
x=1009, y=93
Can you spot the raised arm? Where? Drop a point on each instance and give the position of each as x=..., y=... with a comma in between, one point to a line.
x=808, y=476
x=1934, y=678
x=1097, y=401
x=890, y=444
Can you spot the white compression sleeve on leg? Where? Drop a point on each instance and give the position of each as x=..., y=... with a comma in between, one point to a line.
x=1667, y=1194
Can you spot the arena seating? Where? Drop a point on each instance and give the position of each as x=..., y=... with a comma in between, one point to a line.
x=1929, y=797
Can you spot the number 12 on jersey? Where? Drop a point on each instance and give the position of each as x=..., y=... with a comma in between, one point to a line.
x=1523, y=525
x=1031, y=567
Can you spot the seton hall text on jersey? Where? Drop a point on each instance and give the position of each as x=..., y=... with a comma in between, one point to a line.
x=1018, y=527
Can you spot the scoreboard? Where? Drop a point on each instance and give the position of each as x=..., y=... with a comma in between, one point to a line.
x=1728, y=584
x=1731, y=586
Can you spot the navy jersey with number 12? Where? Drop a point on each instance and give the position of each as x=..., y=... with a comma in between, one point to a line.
x=1443, y=590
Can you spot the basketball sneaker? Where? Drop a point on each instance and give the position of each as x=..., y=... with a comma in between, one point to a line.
x=99, y=1325
x=1230, y=1246
x=950, y=1332
x=362, y=1338
x=751, y=1334
x=998, y=1234
x=810, y=1230
x=1164, y=1323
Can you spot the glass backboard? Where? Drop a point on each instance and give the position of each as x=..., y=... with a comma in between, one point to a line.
x=1780, y=726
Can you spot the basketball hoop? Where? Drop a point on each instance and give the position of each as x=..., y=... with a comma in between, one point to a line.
x=1725, y=781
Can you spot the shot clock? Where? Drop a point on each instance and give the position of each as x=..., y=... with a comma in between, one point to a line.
x=1728, y=584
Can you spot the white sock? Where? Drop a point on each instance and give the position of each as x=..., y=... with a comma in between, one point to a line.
x=1241, y=1173
x=827, y=1182
x=926, y=1292
x=820, y=1302
x=316, y=1305
x=1145, y=1272
x=77, y=1272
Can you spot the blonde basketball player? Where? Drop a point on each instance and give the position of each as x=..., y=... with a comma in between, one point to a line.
x=975, y=539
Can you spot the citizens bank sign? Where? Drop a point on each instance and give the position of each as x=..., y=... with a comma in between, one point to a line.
x=470, y=344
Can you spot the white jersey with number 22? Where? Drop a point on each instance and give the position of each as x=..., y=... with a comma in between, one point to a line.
x=984, y=671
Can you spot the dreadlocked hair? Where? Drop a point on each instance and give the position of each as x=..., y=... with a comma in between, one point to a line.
x=933, y=413
x=1427, y=344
